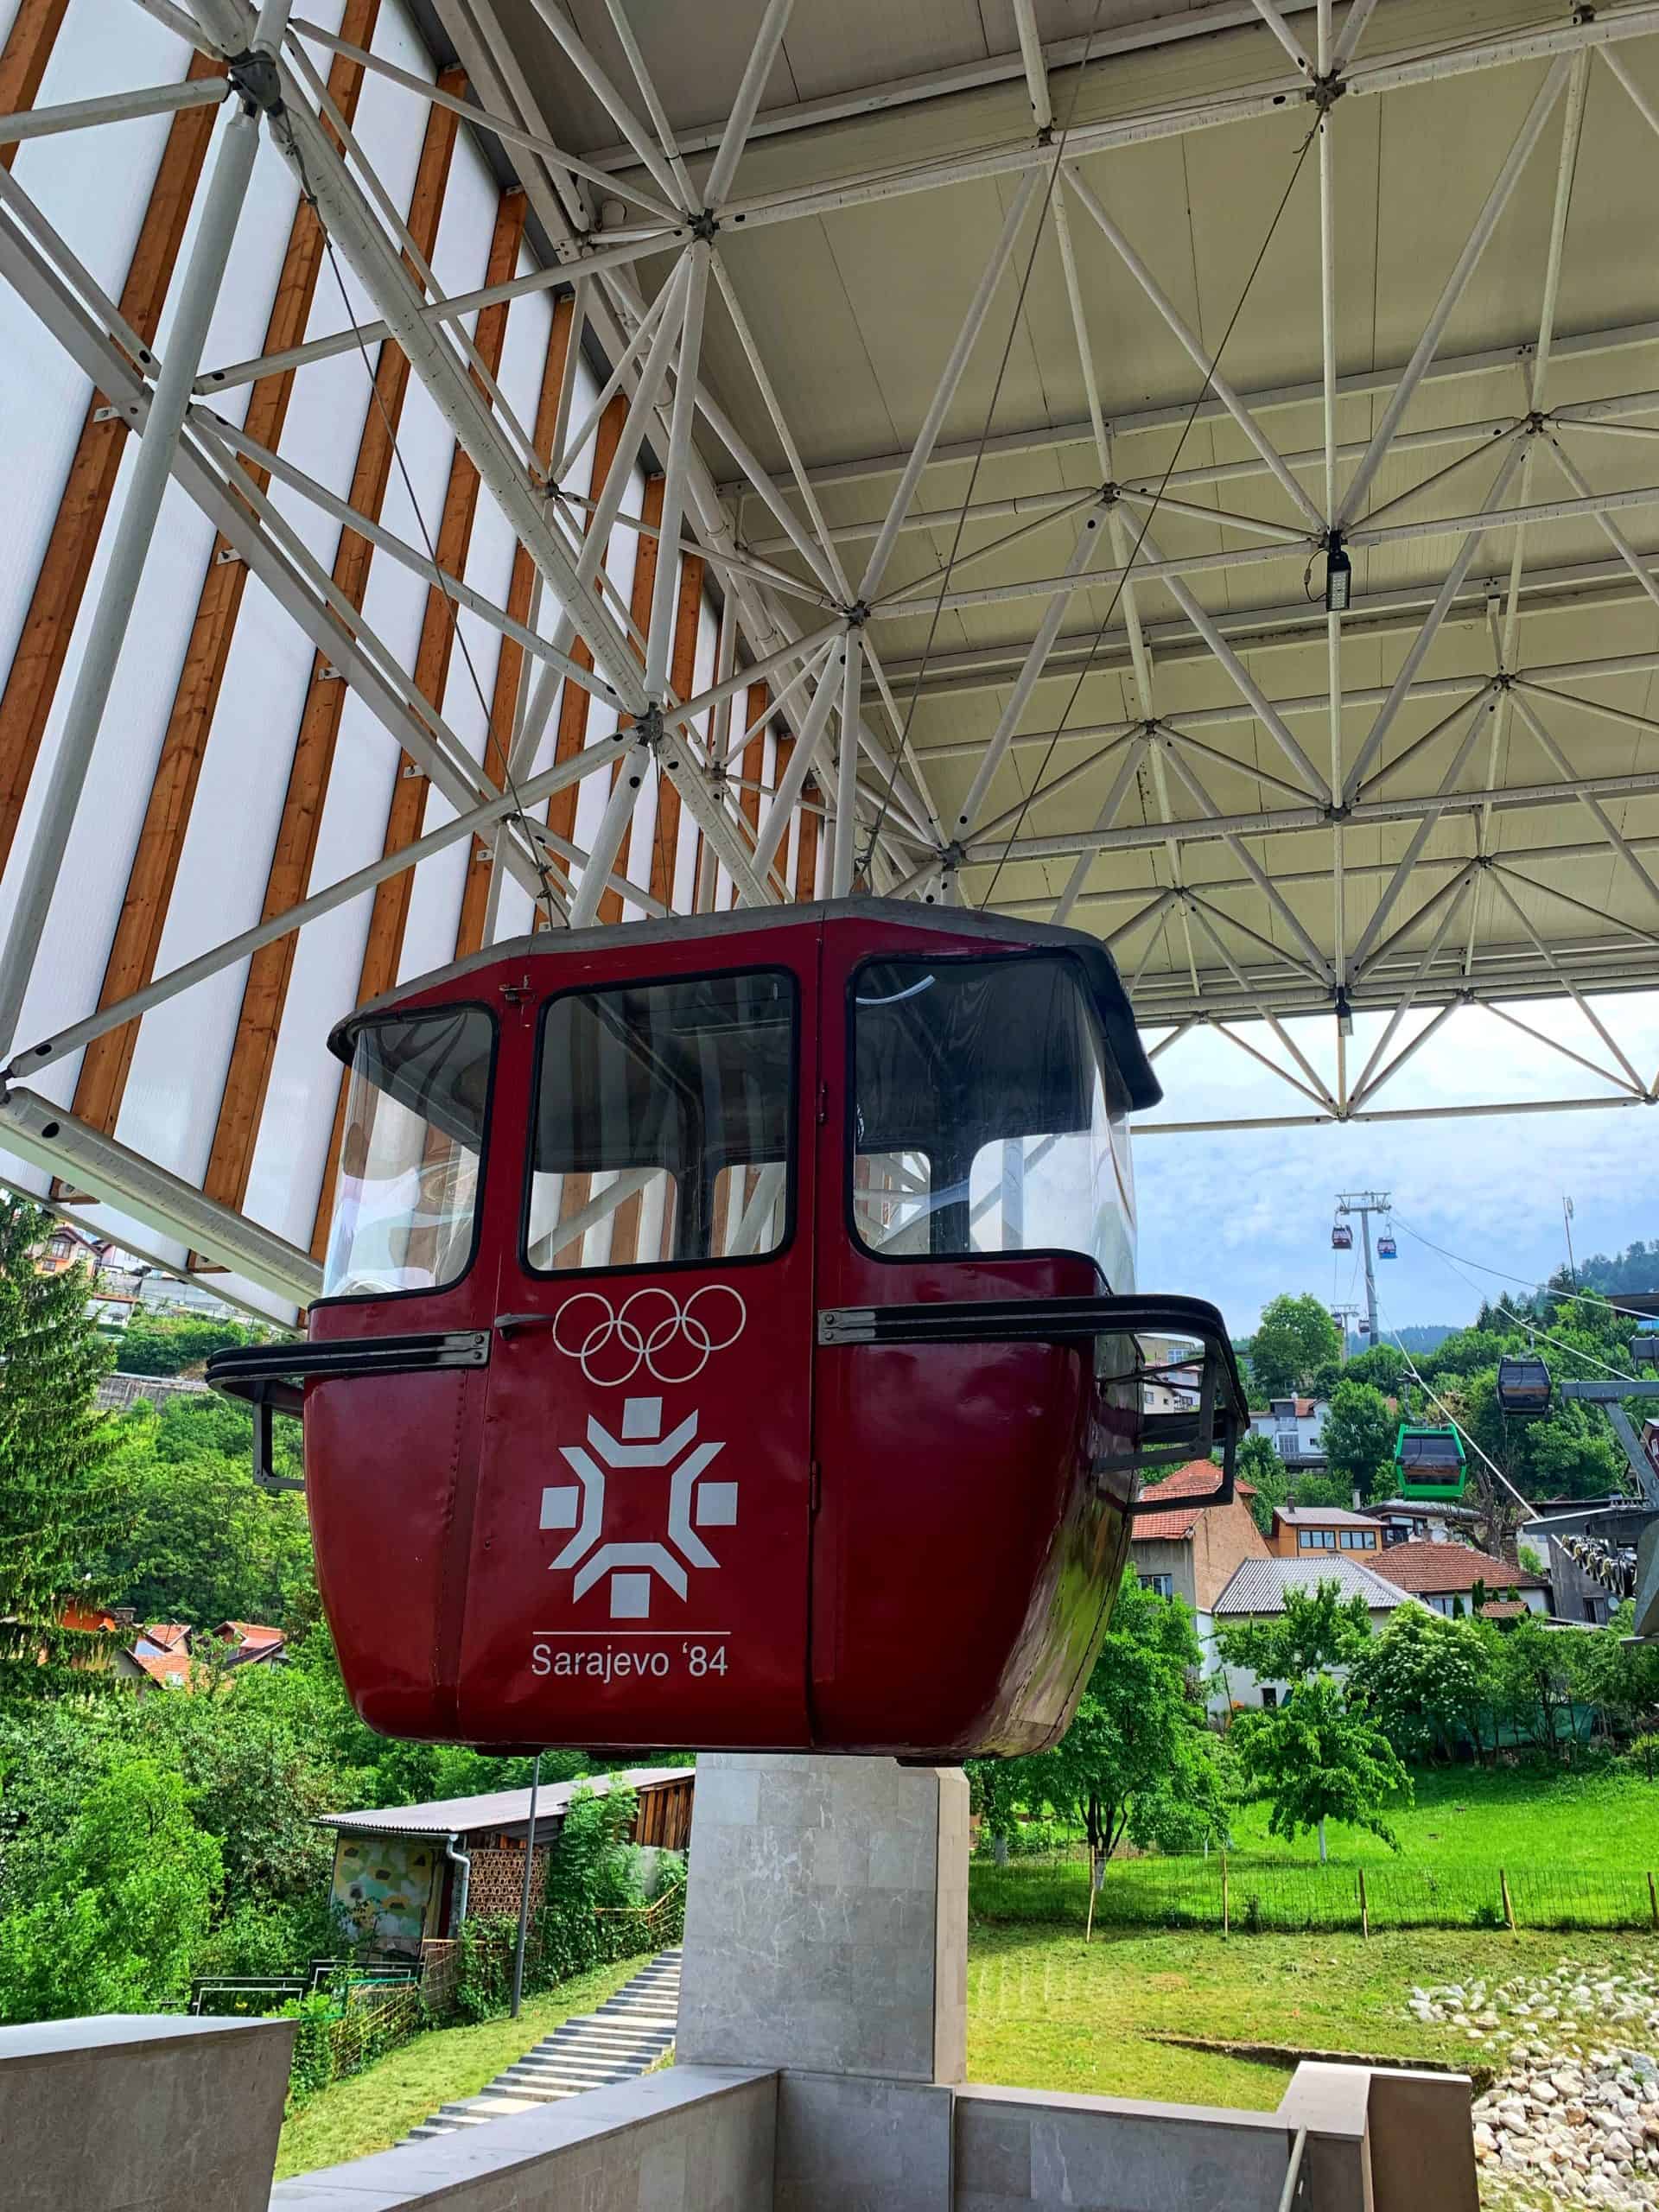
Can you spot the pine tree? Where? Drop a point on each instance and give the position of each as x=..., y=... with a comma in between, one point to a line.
x=59, y=1488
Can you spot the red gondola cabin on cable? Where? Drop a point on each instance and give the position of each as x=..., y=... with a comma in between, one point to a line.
x=728, y=1337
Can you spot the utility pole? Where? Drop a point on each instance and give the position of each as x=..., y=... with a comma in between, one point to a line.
x=524, y=1893
x=1566, y=1223
x=1365, y=1204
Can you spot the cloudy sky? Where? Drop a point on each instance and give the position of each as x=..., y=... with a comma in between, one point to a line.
x=1237, y=1216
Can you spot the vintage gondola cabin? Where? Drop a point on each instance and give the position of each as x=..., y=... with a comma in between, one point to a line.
x=728, y=1337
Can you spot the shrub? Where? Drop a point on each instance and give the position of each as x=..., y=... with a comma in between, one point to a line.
x=484, y=1979
x=313, y=2065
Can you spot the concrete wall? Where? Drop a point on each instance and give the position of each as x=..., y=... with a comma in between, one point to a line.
x=141, y=2113
x=691, y=2139
x=826, y=1925
x=1019, y=2148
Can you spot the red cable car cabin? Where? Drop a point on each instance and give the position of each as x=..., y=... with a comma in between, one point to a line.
x=727, y=1338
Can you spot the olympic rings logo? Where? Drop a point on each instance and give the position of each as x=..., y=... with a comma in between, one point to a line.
x=642, y=1330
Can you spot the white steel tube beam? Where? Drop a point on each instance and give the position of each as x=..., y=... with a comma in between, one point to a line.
x=632, y=437
x=456, y=309
x=111, y=107
x=1497, y=199
x=1352, y=31
x=130, y=549
x=840, y=881
x=1201, y=358
x=1387, y=1075
x=1287, y=37
x=608, y=97
x=1034, y=64
x=1407, y=674
x=1566, y=983
x=1243, y=682
x=571, y=442
x=1089, y=766
x=664, y=596
x=1620, y=1082
x=47, y=1134
x=274, y=553
x=1261, y=399
x=1318, y=965
x=1115, y=798
x=1592, y=805
x=824, y=563
x=658, y=116
x=510, y=134
x=811, y=667
x=1609, y=530
x=607, y=838
x=310, y=152
x=1088, y=544
x=752, y=83
x=945, y=391
x=62, y=1042
x=1450, y=899
x=775, y=821
x=220, y=432
x=1181, y=119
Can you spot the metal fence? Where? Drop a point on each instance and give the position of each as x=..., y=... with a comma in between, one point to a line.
x=1242, y=1893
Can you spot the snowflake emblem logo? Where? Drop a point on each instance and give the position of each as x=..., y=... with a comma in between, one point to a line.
x=694, y=1503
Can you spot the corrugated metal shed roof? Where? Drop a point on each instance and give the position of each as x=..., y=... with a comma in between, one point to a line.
x=1259, y=1585
x=495, y=1808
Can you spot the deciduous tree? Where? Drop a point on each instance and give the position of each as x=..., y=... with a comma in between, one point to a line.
x=1138, y=1761
x=1317, y=1758
x=1295, y=1337
x=1426, y=1680
x=1358, y=1439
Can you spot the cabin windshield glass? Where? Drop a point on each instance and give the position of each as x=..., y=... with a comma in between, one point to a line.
x=406, y=1199
x=988, y=1114
x=1436, y=1452
x=663, y=1124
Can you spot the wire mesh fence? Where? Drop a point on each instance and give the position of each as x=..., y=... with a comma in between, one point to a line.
x=1244, y=1893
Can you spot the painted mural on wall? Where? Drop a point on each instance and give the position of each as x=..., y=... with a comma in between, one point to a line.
x=384, y=1882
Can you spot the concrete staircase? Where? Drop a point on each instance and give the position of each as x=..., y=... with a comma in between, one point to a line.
x=624, y=2038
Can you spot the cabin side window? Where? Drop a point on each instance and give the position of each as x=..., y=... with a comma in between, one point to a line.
x=663, y=1124
x=406, y=1197
x=989, y=1114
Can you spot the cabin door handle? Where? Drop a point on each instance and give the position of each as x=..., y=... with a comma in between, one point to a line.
x=510, y=1324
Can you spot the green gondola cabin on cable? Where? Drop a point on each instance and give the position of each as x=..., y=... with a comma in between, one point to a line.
x=1428, y=1463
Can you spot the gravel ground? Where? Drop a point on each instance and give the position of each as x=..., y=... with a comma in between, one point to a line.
x=1573, y=2116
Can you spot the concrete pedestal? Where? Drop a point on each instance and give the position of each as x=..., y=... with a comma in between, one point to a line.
x=826, y=1925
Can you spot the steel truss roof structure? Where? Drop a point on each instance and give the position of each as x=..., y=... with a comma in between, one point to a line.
x=1005, y=378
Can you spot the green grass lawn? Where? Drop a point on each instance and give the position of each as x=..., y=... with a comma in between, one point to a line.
x=1474, y=1816
x=1045, y=2012
x=1576, y=1846
x=372, y=2110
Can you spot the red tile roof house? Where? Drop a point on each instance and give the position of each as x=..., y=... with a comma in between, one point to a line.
x=252, y=1643
x=1444, y=1576
x=1187, y=1550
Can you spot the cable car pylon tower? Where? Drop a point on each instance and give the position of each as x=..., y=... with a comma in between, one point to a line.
x=1365, y=1204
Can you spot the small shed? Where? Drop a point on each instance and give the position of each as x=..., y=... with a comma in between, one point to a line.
x=422, y=1869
